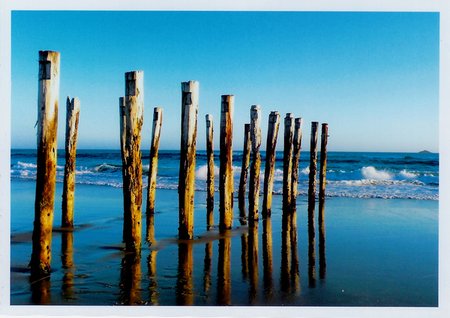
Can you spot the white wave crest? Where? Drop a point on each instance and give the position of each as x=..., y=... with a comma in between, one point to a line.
x=202, y=172
x=373, y=174
x=26, y=165
x=406, y=174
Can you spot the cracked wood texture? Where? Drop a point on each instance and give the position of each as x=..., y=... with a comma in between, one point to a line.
x=244, y=173
x=255, y=167
x=295, y=160
x=226, y=183
x=153, y=171
x=186, y=180
x=47, y=125
x=210, y=173
x=272, y=135
x=72, y=119
x=287, y=161
x=131, y=120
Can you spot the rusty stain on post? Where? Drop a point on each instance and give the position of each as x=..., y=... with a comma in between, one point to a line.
x=295, y=160
x=210, y=174
x=272, y=135
x=47, y=125
x=131, y=120
x=244, y=174
x=153, y=171
x=226, y=182
x=287, y=161
x=255, y=167
x=72, y=119
x=186, y=180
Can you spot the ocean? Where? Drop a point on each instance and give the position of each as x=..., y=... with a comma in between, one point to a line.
x=349, y=174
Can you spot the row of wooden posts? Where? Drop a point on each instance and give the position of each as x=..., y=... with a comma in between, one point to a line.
x=131, y=120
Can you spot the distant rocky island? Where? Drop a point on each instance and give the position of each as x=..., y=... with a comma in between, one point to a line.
x=424, y=151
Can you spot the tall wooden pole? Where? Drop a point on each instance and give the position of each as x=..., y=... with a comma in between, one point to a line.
x=152, y=171
x=186, y=180
x=133, y=118
x=295, y=160
x=210, y=175
x=312, y=172
x=322, y=184
x=272, y=135
x=287, y=161
x=244, y=173
x=48, y=98
x=255, y=167
x=72, y=118
x=226, y=182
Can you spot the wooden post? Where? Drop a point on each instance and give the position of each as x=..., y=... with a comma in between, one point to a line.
x=210, y=175
x=272, y=135
x=186, y=180
x=152, y=171
x=255, y=137
x=244, y=173
x=226, y=182
x=287, y=161
x=48, y=98
x=312, y=175
x=323, y=162
x=132, y=118
x=72, y=118
x=295, y=160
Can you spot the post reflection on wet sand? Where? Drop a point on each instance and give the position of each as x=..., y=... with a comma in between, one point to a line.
x=130, y=279
x=322, y=256
x=267, y=258
x=207, y=268
x=152, y=283
x=244, y=255
x=290, y=273
x=253, y=260
x=150, y=235
x=185, y=286
x=311, y=248
x=224, y=272
x=67, y=264
x=40, y=290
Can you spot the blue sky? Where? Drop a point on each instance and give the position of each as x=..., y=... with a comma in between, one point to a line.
x=374, y=77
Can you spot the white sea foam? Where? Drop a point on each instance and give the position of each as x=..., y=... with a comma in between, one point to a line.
x=373, y=174
x=305, y=170
x=26, y=165
x=406, y=174
x=202, y=172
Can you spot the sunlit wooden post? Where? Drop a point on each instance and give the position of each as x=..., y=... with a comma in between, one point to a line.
x=210, y=174
x=255, y=167
x=132, y=118
x=272, y=135
x=287, y=161
x=226, y=182
x=153, y=163
x=295, y=160
x=72, y=118
x=311, y=206
x=47, y=125
x=186, y=180
x=322, y=184
x=244, y=172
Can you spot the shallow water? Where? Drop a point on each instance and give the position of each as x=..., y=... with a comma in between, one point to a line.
x=376, y=252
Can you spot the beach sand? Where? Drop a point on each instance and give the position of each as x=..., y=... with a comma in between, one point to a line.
x=378, y=252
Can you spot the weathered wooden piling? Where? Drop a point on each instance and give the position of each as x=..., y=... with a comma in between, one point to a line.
x=153, y=163
x=132, y=118
x=72, y=119
x=226, y=182
x=186, y=180
x=297, y=144
x=312, y=174
x=244, y=173
x=287, y=161
x=255, y=137
x=272, y=135
x=323, y=162
x=47, y=124
x=210, y=174
x=152, y=173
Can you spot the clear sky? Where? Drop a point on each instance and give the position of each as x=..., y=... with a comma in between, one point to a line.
x=374, y=77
